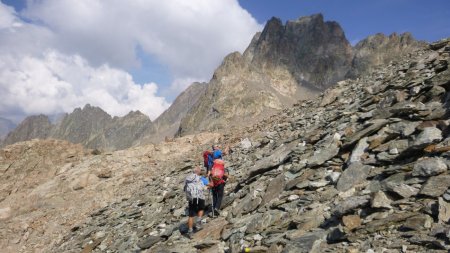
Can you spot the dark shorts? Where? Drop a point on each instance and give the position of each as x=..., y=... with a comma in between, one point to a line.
x=195, y=207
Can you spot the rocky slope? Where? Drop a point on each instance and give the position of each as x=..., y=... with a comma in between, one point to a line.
x=363, y=168
x=48, y=187
x=90, y=126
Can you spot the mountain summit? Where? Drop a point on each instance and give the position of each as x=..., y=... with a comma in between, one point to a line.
x=315, y=52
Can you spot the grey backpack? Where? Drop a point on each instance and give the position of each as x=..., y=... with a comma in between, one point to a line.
x=194, y=187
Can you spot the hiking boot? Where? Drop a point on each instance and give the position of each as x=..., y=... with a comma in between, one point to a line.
x=198, y=225
x=210, y=214
x=190, y=234
x=216, y=212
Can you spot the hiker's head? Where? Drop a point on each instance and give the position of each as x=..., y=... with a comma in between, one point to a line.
x=203, y=172
x=216, y=147
x=197, y=170
x=217, y=154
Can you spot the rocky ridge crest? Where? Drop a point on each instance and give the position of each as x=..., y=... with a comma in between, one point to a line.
x=380, y=49
x=90, y=126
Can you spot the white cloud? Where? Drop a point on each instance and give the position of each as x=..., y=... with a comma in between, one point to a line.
x=190, y=37
x=72, y=52
x=7, y=17
x=36, y=78
x=59, y=83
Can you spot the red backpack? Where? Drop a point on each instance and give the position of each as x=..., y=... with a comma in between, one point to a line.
x=218, y=171
x=205, y=158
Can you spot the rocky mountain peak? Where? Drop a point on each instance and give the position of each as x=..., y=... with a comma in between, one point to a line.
x=36, y=126
x=283, y=63
x=314, y=18
x=90, y=111
x=82, y=124
x=273, y=29
x=134, y=115
x=376, y=40
x=232, y=63
x=315, y=52
x=380, y=49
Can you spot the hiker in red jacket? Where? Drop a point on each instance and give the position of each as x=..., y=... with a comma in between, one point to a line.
x=208, y=159
x=218, y=177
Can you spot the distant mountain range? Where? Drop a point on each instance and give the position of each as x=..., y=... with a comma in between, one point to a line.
x=282, y=64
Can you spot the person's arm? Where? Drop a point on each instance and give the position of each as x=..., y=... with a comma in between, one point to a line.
x=225, y=175
x=226, y=151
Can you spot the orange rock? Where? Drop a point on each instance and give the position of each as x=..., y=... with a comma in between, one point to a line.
x=351, y=221
x=433, y=148
x=375, y=143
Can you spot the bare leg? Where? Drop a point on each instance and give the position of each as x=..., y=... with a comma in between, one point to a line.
x=198, y=224
x=191, y=223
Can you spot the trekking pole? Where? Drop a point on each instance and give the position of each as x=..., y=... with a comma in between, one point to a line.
x=212, y=197
x=212, y=202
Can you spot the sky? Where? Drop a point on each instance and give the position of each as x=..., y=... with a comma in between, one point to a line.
x=56, y=55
